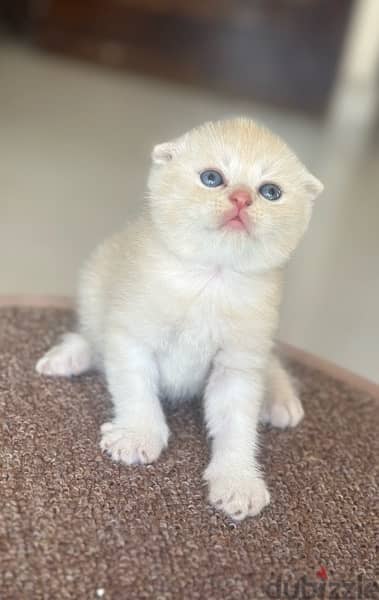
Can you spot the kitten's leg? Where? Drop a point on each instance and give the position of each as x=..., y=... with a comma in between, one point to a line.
x=71, y=357
x=281, y=407
x=232, y=404
x=138, y=432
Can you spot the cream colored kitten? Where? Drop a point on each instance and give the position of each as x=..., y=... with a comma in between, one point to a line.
x=185, y=301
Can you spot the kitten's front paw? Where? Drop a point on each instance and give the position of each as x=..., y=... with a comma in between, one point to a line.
x=239, y=495
x=134, y=445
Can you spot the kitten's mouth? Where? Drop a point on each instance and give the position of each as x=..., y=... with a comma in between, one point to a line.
x=237, y=220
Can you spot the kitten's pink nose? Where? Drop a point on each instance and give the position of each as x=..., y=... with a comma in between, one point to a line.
x=241, y=198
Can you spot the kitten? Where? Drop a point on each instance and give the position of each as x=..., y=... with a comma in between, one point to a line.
x=185, y=301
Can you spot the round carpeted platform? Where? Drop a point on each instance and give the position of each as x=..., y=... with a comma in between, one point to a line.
x=75, y=525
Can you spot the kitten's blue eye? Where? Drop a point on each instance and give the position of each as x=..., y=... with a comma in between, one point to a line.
x=211, y=178
x=270, y=191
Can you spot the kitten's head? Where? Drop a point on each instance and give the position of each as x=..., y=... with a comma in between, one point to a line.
x=231, y=193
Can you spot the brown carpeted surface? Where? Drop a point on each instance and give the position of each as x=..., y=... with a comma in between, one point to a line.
x=74, y=525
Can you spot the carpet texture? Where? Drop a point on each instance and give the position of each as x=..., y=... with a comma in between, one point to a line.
x=75, y=525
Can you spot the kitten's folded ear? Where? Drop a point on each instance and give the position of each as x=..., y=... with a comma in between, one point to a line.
x=164, y=153
x=313, y=186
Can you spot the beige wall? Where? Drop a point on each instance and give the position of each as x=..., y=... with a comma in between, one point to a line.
x=74, y=147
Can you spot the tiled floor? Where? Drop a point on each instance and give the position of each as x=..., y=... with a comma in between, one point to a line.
x=74, y=153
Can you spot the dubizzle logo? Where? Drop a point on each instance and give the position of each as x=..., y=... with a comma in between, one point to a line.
x=322, y=587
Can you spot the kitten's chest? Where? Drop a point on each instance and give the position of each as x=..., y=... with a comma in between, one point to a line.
x=191, y=338
x=209, y=311
x=207, y=304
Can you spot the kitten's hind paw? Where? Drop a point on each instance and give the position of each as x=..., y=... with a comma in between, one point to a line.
x=281, y=406
x=71, y=357
x=282, y=412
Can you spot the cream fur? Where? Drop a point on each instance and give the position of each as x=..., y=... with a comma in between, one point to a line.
x=177, y=305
